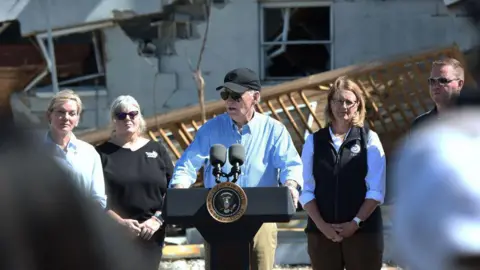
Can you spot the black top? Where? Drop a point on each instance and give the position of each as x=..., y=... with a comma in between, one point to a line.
x=424, y=118
x=135, y=181
x=468, y=97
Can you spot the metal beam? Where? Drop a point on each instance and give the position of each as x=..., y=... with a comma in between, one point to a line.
x=4, y=26
x=51, y=48
x=78, y=29
x=49, y=57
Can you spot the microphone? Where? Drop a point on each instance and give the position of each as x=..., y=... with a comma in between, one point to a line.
x=236, y=157
x=218, y=157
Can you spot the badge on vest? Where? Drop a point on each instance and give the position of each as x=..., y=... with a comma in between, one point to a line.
x=355, y=149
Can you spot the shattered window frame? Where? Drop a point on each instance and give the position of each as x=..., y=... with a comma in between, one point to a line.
x=264, y=43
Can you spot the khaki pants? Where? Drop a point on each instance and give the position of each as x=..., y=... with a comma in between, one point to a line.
x=263, y=252
x=361, y=251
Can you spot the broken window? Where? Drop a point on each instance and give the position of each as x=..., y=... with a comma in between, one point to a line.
x=78, y=59
x=296, y=41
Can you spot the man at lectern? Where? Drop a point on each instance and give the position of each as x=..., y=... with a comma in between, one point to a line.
x=270, y=156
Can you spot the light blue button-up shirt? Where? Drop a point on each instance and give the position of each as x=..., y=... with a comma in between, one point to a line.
x=83, y=163
x=270, y=156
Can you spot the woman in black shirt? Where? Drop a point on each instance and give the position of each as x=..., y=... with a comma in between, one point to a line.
x=137, y=173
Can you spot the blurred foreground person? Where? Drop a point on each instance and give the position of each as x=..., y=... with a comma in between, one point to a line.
x=47, y=223
x=437, y=214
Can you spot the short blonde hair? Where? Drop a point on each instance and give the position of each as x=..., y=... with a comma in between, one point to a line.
x=343, y=83
x=454, y=63
x=123, y=102
x=62, y=97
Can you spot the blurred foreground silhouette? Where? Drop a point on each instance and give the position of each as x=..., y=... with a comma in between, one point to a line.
x=46, y=223
x=437, y=178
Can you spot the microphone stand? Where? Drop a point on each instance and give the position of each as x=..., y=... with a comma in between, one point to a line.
x=217, y=172
x=235, y=172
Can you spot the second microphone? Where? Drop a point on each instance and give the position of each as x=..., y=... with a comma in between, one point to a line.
x=218, y=157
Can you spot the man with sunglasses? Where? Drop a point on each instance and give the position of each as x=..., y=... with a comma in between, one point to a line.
x=270, y=156
x=446, y=80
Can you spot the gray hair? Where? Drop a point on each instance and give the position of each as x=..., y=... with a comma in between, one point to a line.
x=123, y=102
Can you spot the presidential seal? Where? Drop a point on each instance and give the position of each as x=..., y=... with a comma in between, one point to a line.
x=226, y=202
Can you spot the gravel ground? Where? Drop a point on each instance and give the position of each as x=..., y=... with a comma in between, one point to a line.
x=200, y=265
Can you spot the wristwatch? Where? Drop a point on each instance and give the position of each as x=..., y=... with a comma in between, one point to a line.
x=358, y=221
x=295, y=185
x=158, y=215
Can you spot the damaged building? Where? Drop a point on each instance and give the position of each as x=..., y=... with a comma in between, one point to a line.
x=106, y=48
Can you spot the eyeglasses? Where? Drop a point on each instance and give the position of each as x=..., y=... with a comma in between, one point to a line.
x=123, y=115
x=441, y=80
x=347, y=102
x=234, y=95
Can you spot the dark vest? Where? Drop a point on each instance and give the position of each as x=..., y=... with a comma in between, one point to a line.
x=431, y=115
x=340, y=186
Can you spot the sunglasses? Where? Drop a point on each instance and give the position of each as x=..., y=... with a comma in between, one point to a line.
x=440, y=80
x=234, y=95
x=123, y=115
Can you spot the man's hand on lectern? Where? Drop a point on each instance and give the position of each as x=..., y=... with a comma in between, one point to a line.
x=292, y=186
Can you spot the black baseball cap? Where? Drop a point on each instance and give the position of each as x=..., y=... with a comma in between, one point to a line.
x=241, y=80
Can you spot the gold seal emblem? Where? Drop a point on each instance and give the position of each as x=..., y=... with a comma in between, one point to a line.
x=226, y=202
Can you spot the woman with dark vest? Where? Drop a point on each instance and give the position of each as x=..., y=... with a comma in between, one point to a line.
x=344, y=174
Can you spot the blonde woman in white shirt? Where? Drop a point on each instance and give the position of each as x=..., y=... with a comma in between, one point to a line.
x=79, y=158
